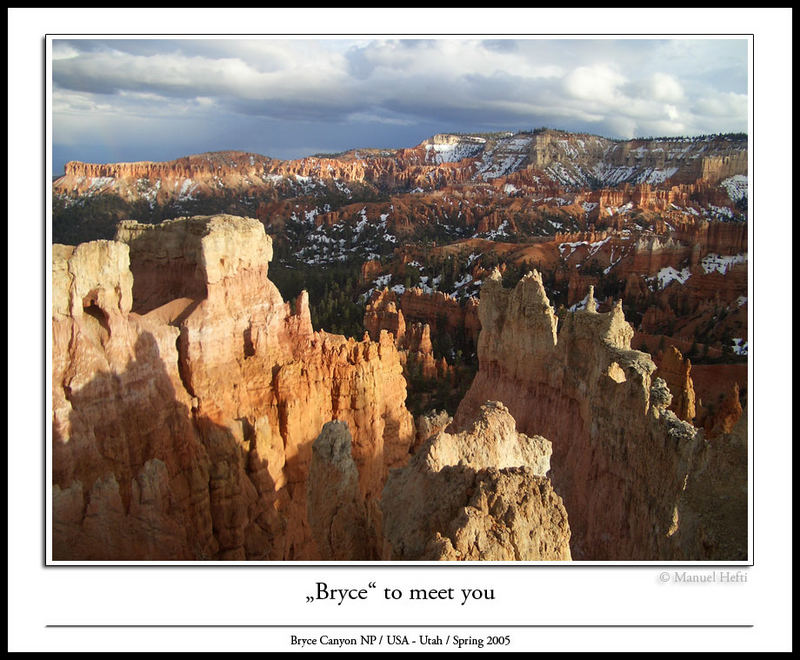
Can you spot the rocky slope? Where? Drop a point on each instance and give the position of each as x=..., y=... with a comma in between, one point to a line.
x=622, y=476
x=548, y=156
x=192, y=414
x=481, y=494
x=185, y=406
x=713, y=513
x=335, y=506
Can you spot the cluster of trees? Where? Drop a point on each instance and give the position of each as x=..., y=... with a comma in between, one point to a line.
x=325, y=154
x=358, y=192
x=411, y=277
x=332, y=294
x=96, y=217
x=486, y=135
x=335, y=311
x=729, y=137
x=91, y=218
x=454, y=345
x=449, y=268
x=427, y=233
x=425, y=394
x=592, y=268
x=609, y=287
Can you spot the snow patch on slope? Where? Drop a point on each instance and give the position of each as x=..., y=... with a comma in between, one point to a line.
x=722, y=264
x=668, y=275
x=437, y=154
x=736, y=186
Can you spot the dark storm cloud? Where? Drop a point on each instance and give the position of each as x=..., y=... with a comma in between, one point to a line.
x=328, y=110
x=221, y=90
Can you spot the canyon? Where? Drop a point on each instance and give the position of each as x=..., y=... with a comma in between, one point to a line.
x=522, y=346
x=191, y=417
x=185, y=410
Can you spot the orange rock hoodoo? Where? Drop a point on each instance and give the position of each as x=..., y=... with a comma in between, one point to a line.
x=676, y=372
x=413, y=340
x=621, y=459
x=183, y=416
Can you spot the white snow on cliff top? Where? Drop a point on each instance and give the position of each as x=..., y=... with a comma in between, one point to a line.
x=451, y=153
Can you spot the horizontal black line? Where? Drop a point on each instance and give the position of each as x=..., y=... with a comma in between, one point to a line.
x=409, y=625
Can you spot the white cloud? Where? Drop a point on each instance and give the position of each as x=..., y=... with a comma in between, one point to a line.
x=622, y=126
x=665, y=87
x=658, y=127
x=372, y=117
x=62, y=51
x=672, y=111
x=722, y=105
x=598, y=83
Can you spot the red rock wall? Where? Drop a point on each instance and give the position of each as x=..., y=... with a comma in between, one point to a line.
x=189, y=436
x=620, y=458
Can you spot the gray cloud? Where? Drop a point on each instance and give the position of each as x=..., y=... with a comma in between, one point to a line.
x=501, y=45
x=385, y=89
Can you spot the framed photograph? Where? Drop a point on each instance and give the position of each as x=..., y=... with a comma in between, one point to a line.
x=403, y=331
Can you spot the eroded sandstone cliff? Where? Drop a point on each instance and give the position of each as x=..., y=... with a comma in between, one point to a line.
x=187, y=395
x=481, y=494
x=335, y=504
x=621, y=459
x=192, y=412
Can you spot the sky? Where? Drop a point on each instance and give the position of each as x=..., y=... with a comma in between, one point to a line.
x=119, y=100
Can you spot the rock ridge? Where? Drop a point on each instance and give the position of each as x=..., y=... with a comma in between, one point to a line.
x=481, y=494
x=621, y=458
x=184, y=430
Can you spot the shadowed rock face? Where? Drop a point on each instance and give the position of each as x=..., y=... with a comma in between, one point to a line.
x=413, y=340
x=713, y=511
x=477, y=495
x=621, y=460
x=677, y=373
x=185, y=431
x=336, y=511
